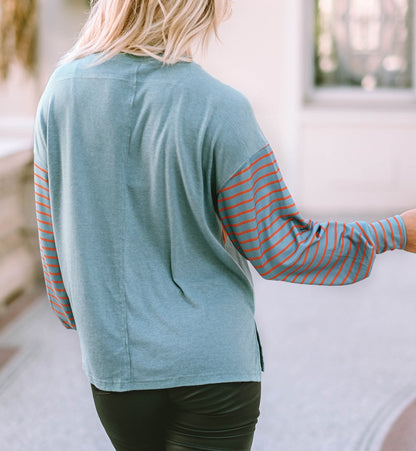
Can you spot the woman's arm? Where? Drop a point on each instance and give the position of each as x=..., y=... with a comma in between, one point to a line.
x=55, y=289
x=409, y=219
x=262, y=220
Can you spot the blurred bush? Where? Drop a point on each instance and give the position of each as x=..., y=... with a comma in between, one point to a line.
x=18, y=34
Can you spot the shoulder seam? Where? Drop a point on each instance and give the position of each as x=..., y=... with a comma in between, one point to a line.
x=240, y=168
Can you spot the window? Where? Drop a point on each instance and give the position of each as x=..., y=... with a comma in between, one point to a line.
x=361, y=47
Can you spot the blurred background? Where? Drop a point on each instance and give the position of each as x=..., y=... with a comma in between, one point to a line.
x=333, y=85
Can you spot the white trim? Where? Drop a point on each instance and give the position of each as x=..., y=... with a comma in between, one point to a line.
x=13, y=146
x=349, y=96
x=382, y=98
x=412, y=5
x=11, y=124
x=308, y=45
x=16, y=134
x=323, y=117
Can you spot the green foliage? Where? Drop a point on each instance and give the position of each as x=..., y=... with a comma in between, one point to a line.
x=18, y=34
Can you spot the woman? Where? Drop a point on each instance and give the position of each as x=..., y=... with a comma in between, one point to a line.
x=154, y=186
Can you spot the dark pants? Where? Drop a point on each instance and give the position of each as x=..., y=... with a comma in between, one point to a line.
x=204, y=417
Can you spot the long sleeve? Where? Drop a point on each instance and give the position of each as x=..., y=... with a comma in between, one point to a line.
x=57, y=295
x=261, y=219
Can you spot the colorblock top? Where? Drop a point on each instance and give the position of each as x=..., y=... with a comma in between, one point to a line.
x=154, y=187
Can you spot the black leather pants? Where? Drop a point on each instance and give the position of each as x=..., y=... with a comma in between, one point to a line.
x=216, y=417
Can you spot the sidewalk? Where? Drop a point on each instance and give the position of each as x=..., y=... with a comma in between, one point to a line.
x=340, y=369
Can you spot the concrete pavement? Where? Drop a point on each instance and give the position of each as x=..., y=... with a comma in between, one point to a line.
x=340, y=369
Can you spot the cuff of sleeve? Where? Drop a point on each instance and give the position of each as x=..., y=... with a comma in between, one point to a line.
x=390, y=234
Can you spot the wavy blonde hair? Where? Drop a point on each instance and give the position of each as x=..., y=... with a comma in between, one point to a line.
x=166, y=30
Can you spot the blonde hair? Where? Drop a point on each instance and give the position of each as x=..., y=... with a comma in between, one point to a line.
x=166, y=30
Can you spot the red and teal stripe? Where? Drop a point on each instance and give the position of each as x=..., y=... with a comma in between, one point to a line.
x=260, y=217
x=55, y=289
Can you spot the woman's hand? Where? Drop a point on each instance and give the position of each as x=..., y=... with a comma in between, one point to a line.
x=409, y=219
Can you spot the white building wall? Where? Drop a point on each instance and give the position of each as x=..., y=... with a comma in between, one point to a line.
x=259, y=56
x=338, y=161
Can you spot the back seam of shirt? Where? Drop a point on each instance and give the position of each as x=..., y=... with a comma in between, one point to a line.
x=123, y=257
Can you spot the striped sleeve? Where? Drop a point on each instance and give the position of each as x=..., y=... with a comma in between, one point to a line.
x=57, y=295
x=260, y=217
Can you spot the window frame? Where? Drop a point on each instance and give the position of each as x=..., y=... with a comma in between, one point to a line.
x=349, y=96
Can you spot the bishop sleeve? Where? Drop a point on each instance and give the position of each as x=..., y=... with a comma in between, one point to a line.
x=260, y=217
x=57, y=295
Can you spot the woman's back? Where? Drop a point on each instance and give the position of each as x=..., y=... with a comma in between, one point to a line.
x=136, y=154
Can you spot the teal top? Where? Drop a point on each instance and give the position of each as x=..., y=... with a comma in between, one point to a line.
x=154, y=186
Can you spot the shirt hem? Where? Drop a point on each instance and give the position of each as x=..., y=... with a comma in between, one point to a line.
x=180, y=381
